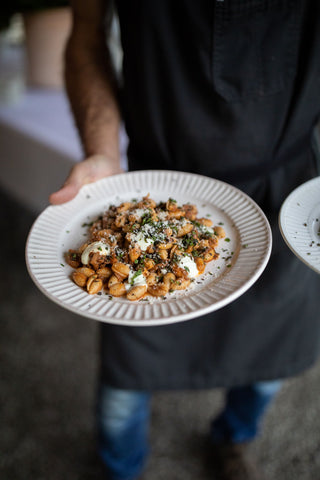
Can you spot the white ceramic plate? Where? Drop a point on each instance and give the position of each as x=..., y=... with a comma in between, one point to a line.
x=299, y=221
x=243, y=256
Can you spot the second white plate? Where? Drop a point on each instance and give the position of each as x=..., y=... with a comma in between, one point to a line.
x=299, y=222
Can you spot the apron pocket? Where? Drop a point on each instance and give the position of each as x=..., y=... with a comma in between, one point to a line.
x=255, y=47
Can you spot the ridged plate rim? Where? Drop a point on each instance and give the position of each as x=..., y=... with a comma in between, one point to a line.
x=299, y=222
x=248, y=226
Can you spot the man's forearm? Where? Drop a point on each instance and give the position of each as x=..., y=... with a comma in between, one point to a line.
x=91, y=88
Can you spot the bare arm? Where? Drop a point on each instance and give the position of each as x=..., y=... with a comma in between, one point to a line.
x=91, y=88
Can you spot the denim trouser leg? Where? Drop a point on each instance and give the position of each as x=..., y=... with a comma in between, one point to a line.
x=123, y=421
x=243, y=412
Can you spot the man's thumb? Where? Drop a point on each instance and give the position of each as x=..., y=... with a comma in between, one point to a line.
x=66, y=193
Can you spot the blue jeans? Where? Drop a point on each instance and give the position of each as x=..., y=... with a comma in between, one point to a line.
x=241, y=418
x=123, y=423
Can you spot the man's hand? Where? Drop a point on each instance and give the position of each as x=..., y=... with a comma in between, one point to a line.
x=91, y=86
x=92, y=169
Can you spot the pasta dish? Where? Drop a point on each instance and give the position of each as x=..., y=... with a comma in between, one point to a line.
x=141, y=248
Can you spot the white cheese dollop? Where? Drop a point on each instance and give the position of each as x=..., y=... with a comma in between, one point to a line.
x=189, y=265
x=137, y=280
x=204, y=229
x=142, y=239
x=95, y=247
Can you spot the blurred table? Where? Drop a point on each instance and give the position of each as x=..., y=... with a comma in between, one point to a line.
x=38, y=145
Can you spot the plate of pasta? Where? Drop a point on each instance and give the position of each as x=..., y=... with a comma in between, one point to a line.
x=149, y=248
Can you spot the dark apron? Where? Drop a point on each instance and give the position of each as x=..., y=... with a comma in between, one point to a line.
x=227, y=89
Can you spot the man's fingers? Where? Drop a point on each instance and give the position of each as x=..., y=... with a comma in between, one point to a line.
x=77, y=177
x=65, y=194
x=87, y=171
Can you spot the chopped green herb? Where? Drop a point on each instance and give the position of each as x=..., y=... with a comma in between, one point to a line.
x=189, y=240
x=87, y=224
x=135, y=275
x=227, y=239
x=146, y=218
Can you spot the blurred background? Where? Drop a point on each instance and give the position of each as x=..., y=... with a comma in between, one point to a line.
x=48, y=356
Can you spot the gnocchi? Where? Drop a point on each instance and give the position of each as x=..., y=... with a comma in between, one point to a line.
x=143, y=248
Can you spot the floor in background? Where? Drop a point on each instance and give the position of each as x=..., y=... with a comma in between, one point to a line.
x=48, y=360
